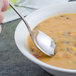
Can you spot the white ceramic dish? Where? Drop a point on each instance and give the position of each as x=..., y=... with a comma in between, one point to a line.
x=33, y=19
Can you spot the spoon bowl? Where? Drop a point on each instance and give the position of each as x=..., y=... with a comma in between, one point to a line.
x=43, y=42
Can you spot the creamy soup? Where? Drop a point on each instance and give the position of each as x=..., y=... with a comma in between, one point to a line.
x=62, y=29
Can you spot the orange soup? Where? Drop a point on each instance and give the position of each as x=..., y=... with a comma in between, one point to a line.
x=62, y=29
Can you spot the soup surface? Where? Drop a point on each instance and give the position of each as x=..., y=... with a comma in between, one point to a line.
x=62, y=29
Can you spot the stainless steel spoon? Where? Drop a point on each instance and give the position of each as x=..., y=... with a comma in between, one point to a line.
x=43, y=42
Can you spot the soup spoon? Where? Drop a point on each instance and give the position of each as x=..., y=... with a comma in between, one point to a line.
x=43, y=42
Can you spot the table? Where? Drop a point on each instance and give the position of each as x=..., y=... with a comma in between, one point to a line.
x=12, y=61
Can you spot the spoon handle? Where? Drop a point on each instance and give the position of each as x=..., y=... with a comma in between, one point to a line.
x=22, y=17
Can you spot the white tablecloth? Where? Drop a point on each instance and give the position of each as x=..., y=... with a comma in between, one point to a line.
x=25, y=7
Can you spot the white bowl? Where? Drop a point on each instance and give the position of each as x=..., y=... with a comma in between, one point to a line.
x=33, y=19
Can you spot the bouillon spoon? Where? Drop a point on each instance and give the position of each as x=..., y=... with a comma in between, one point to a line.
x=43, y=42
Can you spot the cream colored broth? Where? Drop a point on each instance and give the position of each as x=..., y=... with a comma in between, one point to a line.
x=62, y=29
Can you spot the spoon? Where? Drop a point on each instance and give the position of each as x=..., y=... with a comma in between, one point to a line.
x=43, y=42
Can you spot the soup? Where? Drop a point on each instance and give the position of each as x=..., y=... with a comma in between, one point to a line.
x=62, y=29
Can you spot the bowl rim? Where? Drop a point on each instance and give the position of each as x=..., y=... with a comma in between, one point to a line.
x=38, y=61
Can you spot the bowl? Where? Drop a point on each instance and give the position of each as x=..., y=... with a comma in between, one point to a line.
x=33, y=19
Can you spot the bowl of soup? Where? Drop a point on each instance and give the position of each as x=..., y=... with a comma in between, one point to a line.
x=59, y=23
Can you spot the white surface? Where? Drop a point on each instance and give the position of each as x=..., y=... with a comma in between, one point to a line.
x=40, y=3
x=37, y=4
x=10, y=15
x=33, y=19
